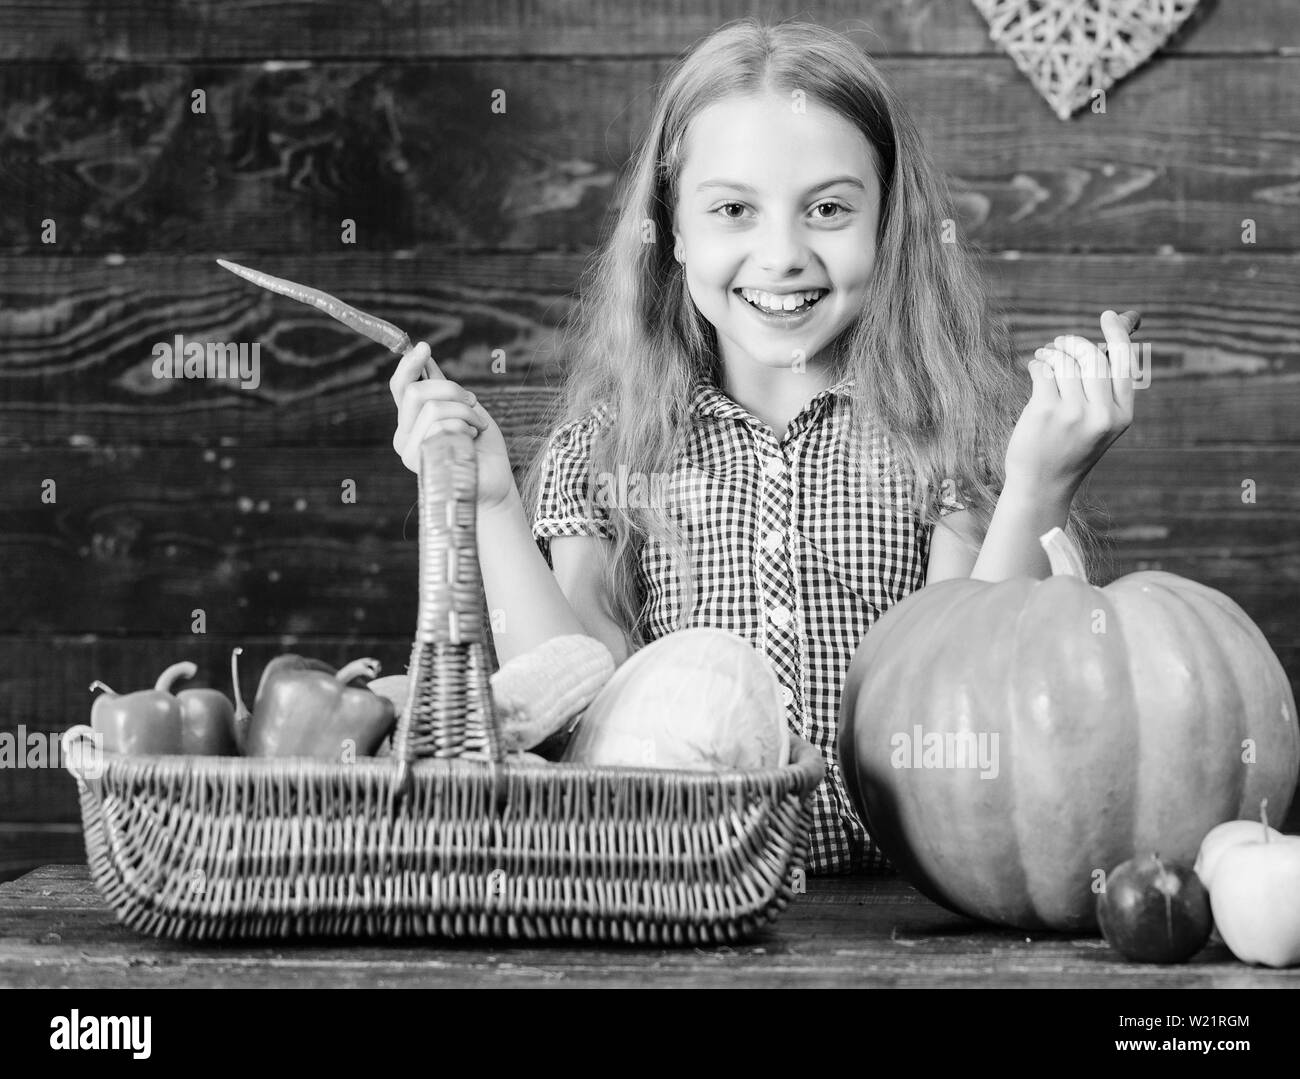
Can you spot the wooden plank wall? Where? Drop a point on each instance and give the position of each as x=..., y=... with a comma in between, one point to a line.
x=471, y=230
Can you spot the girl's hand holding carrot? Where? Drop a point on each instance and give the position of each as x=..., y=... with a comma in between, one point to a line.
x=1081, y=403
x=437, y=404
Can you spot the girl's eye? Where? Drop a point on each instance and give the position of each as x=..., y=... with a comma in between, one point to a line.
x=837, y=208
x=727, y=206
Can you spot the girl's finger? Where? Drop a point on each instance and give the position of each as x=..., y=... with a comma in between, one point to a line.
x=450, y=396
x=451, y=426
x=411, y=456
x=418, y=361
x=1093, y=365
x=1120, y=350
x=1044, y=381
x=435, y=411
x=435, y=424
x=1065, y=370
x=482, y=413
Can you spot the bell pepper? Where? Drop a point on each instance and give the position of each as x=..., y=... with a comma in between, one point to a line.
x=303, y=708
x=207, y=723
x=243, y=717
x=195, y=721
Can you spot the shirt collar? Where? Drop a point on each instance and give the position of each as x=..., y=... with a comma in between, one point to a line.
x=708, y=400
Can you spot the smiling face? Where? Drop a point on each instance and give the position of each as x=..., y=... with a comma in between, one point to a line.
x=776, y=219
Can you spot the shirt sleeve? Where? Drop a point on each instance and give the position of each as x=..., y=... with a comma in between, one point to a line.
x=564, y=503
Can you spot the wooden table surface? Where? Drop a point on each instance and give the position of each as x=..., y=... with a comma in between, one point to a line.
x=864, y=931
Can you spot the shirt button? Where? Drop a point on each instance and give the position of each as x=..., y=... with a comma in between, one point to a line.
x=779, y=616
x=787, y=696
x=774, y=467
x=773, y=539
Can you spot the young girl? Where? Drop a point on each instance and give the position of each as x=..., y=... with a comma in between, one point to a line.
x=779, y=381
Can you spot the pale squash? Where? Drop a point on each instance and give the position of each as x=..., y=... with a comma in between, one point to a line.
x=698, y=699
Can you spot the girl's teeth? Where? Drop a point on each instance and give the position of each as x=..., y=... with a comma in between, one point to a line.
x=790, y=302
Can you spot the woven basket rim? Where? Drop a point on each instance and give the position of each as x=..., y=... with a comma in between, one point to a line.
x=805, y=759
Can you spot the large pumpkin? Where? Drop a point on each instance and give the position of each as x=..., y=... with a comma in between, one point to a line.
x=1005, y=741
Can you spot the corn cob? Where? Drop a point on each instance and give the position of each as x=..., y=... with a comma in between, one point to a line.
x=538, y=692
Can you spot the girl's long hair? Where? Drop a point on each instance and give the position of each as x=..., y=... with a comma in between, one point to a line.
x=934, y=370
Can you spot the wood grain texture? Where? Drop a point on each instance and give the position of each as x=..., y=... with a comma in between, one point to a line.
x=862, y=931
x=414, y=155
x=24, y=847
x=76, y=369
x=422, y=28
x=265, y=543
x=81, y=335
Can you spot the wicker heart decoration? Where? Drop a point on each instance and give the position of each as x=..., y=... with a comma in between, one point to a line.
x=1069, y=48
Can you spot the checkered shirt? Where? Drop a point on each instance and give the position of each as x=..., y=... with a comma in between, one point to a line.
x=787, y=554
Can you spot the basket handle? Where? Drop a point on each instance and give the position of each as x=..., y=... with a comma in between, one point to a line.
x=449, y=712
x=82, y=749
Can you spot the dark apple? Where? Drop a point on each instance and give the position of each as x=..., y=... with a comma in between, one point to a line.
x=1153, y=911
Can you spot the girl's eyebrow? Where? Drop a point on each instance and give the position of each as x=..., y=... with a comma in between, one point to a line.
x=736, y=185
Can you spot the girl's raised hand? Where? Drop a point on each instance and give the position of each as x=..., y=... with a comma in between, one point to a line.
x=1082, y=402
x=436, y=404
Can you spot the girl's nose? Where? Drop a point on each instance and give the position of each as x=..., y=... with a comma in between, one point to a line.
x=781, y=247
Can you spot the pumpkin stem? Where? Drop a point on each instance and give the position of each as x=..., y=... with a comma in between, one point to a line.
x=1263, y=816
x=1063, y=555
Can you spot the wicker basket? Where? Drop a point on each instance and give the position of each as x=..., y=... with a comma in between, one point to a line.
x=427, y=843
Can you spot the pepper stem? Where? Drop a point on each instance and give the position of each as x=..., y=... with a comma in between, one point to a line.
x=1063, y=555
x=240, y=711
x=1263, y=816
x=97, y=684
x=184, y=669
x=358, y=668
